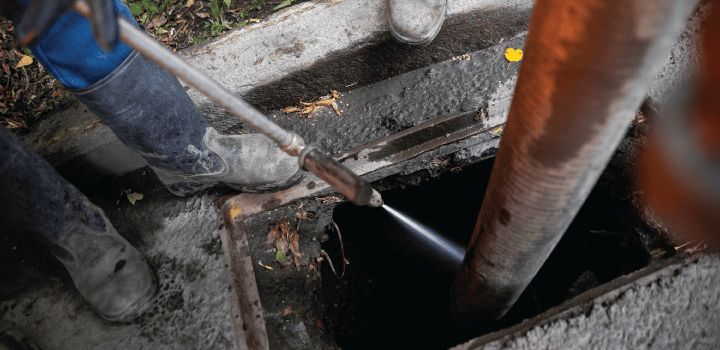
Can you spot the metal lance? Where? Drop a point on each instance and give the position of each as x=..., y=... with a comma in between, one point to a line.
x=586, y=68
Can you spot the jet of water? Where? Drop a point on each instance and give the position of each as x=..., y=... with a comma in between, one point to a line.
x=450, y=251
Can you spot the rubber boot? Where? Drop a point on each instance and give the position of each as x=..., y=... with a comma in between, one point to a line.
x=112, y=275
x=147, y=108
x=415, y=22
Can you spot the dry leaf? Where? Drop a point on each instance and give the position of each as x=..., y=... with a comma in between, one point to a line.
x=291, y=109
x=335, y=107
x=294, y=247
x=288, y=311
x=190, y=3
x=132, y=197
x=335, y=93
x=24, y=61
x=513, y=55
x=202, y=15
x=265, y=266
x=277, y=231
x=497, y=130
x=319, y=324
x=329, y=199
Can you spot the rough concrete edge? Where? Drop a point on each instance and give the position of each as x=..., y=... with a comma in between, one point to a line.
x=585, y=302
x=330, y=26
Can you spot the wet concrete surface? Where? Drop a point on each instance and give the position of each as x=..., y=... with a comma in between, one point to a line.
x=481, y=81
x=179, y=237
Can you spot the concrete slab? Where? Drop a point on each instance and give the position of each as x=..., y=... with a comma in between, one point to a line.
x=676, y=306
x=181, y=242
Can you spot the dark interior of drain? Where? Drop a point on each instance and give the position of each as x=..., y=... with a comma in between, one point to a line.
x=395, y=295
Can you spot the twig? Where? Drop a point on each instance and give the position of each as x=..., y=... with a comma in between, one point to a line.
x=342, y=249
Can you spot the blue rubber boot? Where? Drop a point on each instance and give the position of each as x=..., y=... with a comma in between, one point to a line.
x=147, y=108
x=149, y=111
x=112, y=275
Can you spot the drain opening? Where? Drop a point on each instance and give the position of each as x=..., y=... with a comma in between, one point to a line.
x=395, y=293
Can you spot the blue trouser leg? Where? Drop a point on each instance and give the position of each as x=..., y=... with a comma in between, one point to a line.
x=145, y=106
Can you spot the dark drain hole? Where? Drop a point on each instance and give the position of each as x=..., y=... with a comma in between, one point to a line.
x=395, y=292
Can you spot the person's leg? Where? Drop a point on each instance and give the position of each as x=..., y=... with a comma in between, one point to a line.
x=149, y=111
x=415, y=22
x=112, y=275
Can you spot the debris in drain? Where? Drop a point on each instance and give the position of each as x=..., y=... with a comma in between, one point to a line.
x=329, y=199
x=285, y=240
x=288, y=311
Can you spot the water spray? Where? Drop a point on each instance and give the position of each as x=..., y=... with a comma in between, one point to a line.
x=444, y=248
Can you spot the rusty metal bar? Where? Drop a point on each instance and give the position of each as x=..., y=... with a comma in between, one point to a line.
x=587, y=66
x=244, y=299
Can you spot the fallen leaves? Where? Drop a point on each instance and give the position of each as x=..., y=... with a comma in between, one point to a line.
x=329, y=199
x=513, y=55
x=265, y=266
x=26, y=89
x=133, y=197
x=312, y=107
x=280, y=256
x=285, y=241
x=288, y=311
x=464, y=57
x=24, y=61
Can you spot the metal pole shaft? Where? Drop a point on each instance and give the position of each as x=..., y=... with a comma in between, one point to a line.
x=587, y=66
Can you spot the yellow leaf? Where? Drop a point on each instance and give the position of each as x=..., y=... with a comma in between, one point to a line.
x=513, y=55
x=190, y=3
x=24, y=61
x=497, y=130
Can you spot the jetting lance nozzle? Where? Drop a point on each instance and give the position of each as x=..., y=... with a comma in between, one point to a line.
x=340, y=178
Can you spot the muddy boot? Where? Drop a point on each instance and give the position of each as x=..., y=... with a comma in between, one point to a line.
x=149, y=111
x=111, y=275
x=415, y=22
